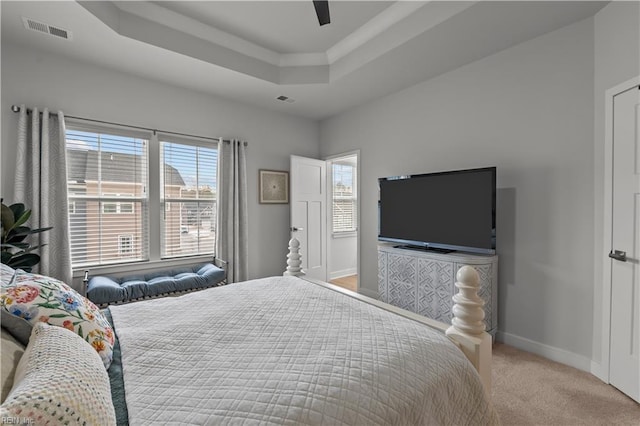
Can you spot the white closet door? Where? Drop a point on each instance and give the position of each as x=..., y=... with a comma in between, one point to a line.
x=624, y=368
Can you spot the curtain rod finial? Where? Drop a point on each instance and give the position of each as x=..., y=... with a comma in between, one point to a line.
x=15, y=108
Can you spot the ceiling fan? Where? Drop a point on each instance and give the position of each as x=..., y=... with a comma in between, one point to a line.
x=322, y=10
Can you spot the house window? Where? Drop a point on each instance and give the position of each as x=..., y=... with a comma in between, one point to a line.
x=108, y=207
x=111, y=172
x=119, y=206
x=344, y=202
x=188, y=192
x=125, y=245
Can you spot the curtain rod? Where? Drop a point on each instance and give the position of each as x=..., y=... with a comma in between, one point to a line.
x=16, y=108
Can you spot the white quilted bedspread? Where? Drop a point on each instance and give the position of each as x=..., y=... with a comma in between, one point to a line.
x=281, y=350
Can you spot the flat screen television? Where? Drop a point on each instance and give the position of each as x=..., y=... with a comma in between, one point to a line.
x=448, y=211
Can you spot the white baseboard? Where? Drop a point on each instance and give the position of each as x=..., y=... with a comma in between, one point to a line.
x=598, y=371
x=342, y=273
x=369, y=293
x=555, y=354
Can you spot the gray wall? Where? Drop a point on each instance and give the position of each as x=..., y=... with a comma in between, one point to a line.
x=342, y=255
x=39, y=79
x=617, y=60
x=529, y=111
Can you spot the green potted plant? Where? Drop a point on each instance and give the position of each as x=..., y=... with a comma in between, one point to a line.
x=14, y=250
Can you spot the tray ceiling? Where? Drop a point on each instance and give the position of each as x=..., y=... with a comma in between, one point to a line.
x=255, y=51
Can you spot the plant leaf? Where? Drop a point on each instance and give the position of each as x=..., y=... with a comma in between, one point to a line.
x=20, y=230
x=26, y=248
x=6, y=215
x=24, y=260
x=38, y=230
x=5, y=257
x=17, y=209
x=22, y=219
x=18, y=246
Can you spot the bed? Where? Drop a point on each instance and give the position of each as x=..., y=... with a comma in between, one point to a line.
x=286, y=350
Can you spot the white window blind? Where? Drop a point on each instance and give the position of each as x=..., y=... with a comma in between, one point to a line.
x=107, y=189
x=188, y=195
x=344, y=198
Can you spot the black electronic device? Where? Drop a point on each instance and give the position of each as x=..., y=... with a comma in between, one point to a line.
x=453, y=210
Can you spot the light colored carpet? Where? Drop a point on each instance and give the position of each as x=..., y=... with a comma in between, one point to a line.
x=531, y=390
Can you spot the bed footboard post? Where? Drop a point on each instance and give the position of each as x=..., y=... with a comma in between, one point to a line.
x=294, y=262
x=468, y=329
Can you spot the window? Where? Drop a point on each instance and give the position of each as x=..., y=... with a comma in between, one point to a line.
x=189, y=196
x=103, y=167
x=119, y=207
x=111, y=172
x=344, y=202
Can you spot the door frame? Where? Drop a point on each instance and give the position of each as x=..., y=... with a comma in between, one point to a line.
x=329, y=159
x=602, y=258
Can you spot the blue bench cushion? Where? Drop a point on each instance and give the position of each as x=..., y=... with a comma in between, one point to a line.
x=104, y=290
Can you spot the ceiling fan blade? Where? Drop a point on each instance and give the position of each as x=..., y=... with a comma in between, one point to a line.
x=322, y=10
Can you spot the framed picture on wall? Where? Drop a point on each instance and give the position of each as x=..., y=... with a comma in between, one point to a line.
x=274, y=187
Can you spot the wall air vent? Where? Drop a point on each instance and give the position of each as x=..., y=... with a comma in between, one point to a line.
x=285, y=99
x=41, y=27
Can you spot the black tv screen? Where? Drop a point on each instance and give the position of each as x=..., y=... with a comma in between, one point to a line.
x=453, y=210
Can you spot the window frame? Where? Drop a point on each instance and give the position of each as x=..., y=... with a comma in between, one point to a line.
x=167, y=201
x=339, y=233
x=152, y=218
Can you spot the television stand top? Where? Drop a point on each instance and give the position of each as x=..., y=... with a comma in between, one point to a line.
x=427, y=249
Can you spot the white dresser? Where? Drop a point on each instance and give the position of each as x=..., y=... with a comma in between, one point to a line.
x=423, y=281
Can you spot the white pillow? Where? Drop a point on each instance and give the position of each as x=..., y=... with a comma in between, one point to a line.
x=61, y=380
x=11, y=352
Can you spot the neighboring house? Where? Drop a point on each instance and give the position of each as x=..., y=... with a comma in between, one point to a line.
x=114, y=223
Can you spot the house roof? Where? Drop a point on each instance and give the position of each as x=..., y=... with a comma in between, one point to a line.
x=84, y=166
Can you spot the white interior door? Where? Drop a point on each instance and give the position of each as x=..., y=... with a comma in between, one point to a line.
x=309, y=213
x=624, y=370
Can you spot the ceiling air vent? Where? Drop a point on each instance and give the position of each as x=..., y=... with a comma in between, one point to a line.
x=285, y=99
x=41, y=27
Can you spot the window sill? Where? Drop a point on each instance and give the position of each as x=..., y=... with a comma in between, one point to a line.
x=347, y=234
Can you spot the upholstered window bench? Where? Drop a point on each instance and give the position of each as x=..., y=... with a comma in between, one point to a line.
x=106, y=290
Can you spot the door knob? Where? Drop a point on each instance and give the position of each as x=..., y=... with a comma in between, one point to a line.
x=618, y=255
x=294, y=229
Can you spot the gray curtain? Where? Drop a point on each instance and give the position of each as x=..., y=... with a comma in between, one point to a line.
x=41, y=184
x=232, y=241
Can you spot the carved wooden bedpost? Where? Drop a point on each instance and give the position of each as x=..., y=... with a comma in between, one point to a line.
x=468, y=327
x=294, y=262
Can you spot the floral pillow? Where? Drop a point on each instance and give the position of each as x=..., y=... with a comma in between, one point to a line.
x=6, y=274
x=37, y=298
